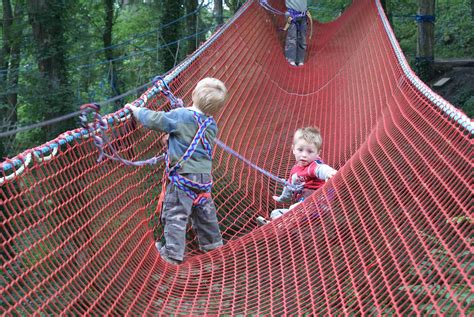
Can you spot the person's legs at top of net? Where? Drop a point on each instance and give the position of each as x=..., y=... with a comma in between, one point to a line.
x=290, y=44
x=301, y=44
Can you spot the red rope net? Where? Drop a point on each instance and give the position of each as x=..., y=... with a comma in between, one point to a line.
x=391, y=233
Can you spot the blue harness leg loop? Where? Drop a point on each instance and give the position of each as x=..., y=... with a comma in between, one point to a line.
x=296, y=14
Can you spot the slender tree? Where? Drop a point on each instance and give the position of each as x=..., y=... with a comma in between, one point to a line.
x=425, y=44
x=12, y=34
x=109, y=53
x=172, y=11
x=191, y=25
x=219, y=12
x=46, y=19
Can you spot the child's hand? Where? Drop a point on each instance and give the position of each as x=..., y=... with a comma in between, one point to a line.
x=330, y=174
x=276, y=198
x=133, y=109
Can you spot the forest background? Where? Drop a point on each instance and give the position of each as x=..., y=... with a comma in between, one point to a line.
x=59, y=54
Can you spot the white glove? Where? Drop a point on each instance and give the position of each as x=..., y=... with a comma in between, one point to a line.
x=288, y=191
x=330, y=174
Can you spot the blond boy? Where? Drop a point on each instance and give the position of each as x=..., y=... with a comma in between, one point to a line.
x=191, y=131
x=309, y=171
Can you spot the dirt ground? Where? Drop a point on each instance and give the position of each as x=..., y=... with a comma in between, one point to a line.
x=459, y=90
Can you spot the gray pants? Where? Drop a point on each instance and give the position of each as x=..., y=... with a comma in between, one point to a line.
x=295, y=46
x=177, y=209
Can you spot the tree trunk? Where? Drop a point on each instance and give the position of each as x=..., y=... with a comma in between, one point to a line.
x=5, y=123
x=46, y=18
x=234, y=5
x=172, y=10
x=425, y=45
x=191, y=26
x=6, y=48
x=10, y=63
x=219, y=12
x=109, y=54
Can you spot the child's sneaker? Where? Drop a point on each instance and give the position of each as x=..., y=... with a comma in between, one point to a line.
x=262, y=221
x=167, y=259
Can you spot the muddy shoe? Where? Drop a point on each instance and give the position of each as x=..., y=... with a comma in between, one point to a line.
x=262, y=221
x=164, y=256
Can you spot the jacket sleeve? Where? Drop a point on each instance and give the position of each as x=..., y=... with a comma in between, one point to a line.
x=157, y=120
x=322, y=171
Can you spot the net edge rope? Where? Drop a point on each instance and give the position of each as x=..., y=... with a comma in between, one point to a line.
x=455, y=114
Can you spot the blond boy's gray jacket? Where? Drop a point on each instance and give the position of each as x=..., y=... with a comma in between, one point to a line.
x=181, y=126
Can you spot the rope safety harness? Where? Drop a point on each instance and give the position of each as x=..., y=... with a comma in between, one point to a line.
x=292, y=15
x=198, y=192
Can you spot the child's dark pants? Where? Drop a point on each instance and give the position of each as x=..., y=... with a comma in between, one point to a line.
x=177, y=209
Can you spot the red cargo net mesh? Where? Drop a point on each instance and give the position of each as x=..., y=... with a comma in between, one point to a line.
x=391, y=233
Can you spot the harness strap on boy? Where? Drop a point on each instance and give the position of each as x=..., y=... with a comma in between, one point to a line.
x=198, y=192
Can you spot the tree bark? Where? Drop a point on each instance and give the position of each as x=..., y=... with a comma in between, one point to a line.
x=425, y=44
x=46, y=19
x=10, y=63
x=219, y=12
x=191, y=26
x=109, y=54
x=172, y=10
x=6, y=48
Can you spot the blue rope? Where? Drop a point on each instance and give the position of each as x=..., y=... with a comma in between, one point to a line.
x=261, y=170
x=102, y=140
x=160, y=84
x=176, y=102
x=425, y=18
x=264, y=4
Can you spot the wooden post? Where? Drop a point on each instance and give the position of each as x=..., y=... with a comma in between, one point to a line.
x=425, y=46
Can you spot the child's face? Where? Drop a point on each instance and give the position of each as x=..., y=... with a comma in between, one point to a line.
x=305, y=153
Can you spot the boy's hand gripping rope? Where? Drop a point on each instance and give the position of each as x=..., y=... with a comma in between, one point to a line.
x=97, y=130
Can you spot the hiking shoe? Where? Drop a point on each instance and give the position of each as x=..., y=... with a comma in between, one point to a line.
x=165, y=257
x=262, y=221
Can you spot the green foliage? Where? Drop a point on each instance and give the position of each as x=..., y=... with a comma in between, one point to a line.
x=141, y=49
x=453, y=28
x=327, y=10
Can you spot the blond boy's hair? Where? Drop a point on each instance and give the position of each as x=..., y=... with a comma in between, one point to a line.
x=311, y=135
x=209, y=95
